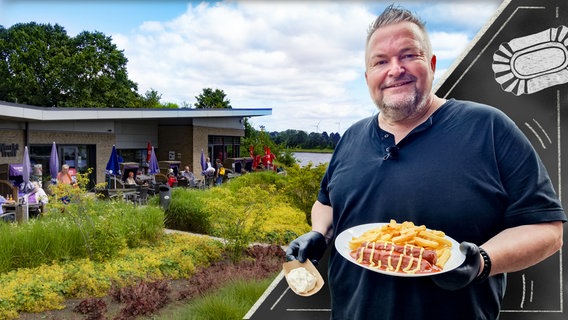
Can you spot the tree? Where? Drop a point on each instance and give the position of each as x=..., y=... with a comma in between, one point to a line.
x=151, y=99
x=42, y=66
x=33, y=64
x=99, y=78
x=334, y=137
x=297, y=139
x=325, y=140
x=210, y=99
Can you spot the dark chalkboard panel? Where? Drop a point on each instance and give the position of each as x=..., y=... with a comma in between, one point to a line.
x=518, y=64
x=529, y=37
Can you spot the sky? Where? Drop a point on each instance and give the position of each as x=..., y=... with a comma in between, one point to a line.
x=302, y=59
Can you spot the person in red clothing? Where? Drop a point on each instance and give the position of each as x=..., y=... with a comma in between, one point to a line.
x=171, y=178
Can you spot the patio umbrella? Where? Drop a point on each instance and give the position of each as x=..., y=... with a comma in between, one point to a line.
x=113, y=166
x=26, y=186
x=153, y=167
x=269, y=157
x=203, y=163
x=53, y=163
x=149, y=152
x=255, y=159
x=251, y=152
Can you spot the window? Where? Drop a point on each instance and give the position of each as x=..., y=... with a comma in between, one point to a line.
x=223, y=147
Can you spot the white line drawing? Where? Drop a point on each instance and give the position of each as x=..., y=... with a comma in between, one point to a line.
x=532, y=63
x=522, y=305
x=542, y=142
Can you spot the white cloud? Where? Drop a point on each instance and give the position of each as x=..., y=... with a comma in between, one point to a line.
x=448, y=46
x=303, y=60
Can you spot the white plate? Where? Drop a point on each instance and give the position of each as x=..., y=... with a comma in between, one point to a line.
x=342, y=246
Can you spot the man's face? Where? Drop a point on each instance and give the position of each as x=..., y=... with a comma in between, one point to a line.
x=399, y=70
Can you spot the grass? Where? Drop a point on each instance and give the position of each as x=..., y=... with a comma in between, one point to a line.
x=65, y=253
x=232, y=301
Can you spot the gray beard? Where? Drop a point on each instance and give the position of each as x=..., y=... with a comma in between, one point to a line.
x=402, y=109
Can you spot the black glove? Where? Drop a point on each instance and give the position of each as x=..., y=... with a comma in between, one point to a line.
x=464, y=274
x=311, y=245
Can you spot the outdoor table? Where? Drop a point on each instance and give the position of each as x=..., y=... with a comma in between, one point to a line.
x=21, y=210
x=144, y=178
x=130, y=195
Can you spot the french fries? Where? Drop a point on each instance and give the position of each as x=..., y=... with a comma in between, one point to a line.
x=407, y=233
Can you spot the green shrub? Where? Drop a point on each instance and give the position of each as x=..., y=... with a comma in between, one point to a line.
x=283, y=224
x=186, y=212
x=262, y=179
x=238, y=217
x=47, y=286
x=231, y=302
x=86, y=228
x=303, y=186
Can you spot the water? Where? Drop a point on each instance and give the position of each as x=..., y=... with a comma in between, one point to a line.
x=316, y=158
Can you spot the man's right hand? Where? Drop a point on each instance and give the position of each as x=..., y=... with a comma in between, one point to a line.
x=311, y=245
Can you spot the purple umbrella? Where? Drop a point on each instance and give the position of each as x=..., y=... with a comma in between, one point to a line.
x=113, y=166
x=26, y=166
x=26, y=186
x=153, y=167
x=203, y=163
x=53, y=163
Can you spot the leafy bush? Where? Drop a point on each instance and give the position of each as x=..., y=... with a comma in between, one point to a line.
x=283, y=224
x=252, y=207
x=262, y=179
x=88, y=228
x=186, y=212
x=303, y=186
x=46, y=287
x=238, y=216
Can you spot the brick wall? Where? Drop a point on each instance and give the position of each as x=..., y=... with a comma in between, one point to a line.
x=103, y=143
x=186, y=141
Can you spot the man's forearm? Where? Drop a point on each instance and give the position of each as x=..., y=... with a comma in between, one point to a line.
x=520, y=247
x=322, y=219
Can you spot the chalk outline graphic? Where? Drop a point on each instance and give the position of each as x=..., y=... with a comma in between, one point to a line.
x=532, y=63
x=558, y=117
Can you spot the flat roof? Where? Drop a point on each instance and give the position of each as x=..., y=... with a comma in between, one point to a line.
x=21, y=112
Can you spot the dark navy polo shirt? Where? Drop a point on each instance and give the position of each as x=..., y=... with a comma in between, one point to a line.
x=468, y=170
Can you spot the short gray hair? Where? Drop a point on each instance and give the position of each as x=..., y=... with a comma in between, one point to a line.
x=396, y=14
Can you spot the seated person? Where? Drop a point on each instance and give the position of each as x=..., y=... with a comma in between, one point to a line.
x=171, y=178
x=8, y=217
x=187, y=174
x=2, y=200
x=37, y=195
x=130, y=180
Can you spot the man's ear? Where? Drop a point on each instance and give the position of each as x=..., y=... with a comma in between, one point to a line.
x=433, y=63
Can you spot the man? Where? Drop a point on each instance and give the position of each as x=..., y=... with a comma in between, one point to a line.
x=456, y=166
x=187, y=174
x=64, y=176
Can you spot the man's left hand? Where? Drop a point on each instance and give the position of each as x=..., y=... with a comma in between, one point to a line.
x=463, y=275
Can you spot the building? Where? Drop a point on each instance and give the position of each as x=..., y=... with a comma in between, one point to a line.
x=85, y=136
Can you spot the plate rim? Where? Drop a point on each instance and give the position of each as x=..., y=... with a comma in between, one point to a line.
x=344, y=251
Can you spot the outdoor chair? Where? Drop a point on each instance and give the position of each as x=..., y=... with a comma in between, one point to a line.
x=8, y=216
x=184, y=183
x=161, y=178
x=142, y=197
x=194, y=184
